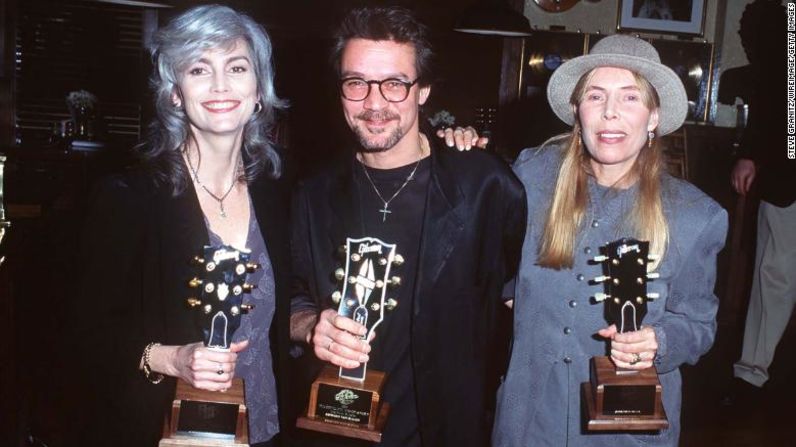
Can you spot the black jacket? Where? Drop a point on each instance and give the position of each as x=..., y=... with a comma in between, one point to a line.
x=472, y=235
x=137, y=248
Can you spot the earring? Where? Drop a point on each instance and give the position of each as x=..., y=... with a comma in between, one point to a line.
x=258, y=107
x=650, y=137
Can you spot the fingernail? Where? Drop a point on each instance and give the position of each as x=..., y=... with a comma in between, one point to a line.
x=363, y=358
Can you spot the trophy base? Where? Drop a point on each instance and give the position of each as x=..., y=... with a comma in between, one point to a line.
x=345, y=407
x=206, y=418
x=617, y=400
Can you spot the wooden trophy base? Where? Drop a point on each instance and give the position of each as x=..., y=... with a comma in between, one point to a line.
x=206, y=418
x=623, y=400
x=345, y=407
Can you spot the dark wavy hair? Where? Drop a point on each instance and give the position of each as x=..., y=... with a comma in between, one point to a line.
x=393, y=23
x=177, y=45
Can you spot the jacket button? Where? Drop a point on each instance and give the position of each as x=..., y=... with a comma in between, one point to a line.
x=595, y=224
x=567, y=360
x=573, y=303
x=567, y=331
x=580, y=277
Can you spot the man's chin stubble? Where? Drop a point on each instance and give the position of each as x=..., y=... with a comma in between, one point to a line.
x=366, y=147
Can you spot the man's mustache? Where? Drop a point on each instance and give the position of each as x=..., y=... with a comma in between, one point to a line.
x=369, y=115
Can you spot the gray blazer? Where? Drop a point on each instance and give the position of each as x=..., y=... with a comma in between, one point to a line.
x=539, y=402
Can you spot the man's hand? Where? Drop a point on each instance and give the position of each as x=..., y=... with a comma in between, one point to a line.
x=743, y=174
x=338, y=340
x=464, y=138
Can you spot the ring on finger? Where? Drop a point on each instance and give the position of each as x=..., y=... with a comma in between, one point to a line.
x=220, y=368
x=329, y=348
x=636, y=358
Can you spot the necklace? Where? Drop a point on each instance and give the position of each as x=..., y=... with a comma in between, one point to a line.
x=385, y=210
x=218, y=199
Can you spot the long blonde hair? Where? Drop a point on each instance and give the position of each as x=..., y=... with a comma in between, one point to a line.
x=571, y=195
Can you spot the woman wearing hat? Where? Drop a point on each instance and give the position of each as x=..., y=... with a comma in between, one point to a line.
x=603, y=181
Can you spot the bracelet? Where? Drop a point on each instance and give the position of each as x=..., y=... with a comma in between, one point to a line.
x=153, y=377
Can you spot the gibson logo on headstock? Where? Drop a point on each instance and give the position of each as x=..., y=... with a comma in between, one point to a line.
x=224, y=254
x=365, y=248
x=624, y=249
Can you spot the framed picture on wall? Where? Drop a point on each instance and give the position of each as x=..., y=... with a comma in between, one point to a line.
x=693, y=63
x=531, y=117
x=685, y=17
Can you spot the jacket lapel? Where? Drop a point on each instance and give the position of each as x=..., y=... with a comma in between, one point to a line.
x=442, y=225
x=345, y=204
x=182, y=222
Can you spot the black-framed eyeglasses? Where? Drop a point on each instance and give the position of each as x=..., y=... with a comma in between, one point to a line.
x=393, y=90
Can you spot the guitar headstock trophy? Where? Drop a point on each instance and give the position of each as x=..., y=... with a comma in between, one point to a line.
x=619, y=399
x=201, y=417
x=347, y=402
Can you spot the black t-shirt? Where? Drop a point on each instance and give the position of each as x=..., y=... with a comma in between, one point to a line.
x=403, y=226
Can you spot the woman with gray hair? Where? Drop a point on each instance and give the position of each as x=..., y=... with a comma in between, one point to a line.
x=209, y=176
x=603, y=181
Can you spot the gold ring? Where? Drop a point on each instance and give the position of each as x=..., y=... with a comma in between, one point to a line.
x=636, y=358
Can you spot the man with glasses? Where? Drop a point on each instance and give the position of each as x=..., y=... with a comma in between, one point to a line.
x=458, y=220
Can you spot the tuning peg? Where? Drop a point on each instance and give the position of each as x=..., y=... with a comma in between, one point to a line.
x=195, y=282
x=653, y=295
x=208, y=308
x=601, y=278
x=247, y=288
x=339, y=274
x=398, y=260
x=653, y=257
x=600, y=258
x=336, y=297
x=356, y=257
x=375, y=307
x=245, y=308
x=193, y=302
x=600, y=297
x=390, y=304
x=653, y=275
x=395, y=281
